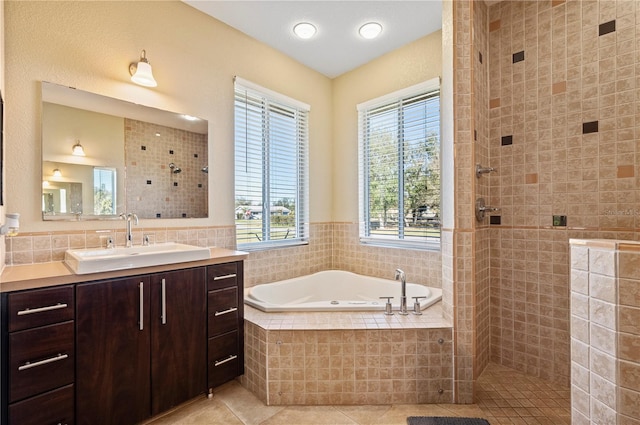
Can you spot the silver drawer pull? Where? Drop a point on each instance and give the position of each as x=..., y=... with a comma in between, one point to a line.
x=41, y=309
x=57, y=358
x=230, y=310
x=228, y=359
x=226, y=276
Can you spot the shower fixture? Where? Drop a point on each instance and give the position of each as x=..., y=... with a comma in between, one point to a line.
x=205, y=169
x=482, y=209
x=480, y=170
x=175, y=169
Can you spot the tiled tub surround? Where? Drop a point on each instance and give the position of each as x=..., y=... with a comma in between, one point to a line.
x=348, y=358
x=605, y=332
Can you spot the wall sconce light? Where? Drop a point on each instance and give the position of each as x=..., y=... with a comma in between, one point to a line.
x=57, y=172
x=141, y=72
x=10, y=228
x=78, y=150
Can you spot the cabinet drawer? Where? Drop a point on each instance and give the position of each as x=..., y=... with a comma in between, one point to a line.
x=223, y=358
x=223, y=311
x=54, y=407
x=40, y=307
x=40, y=359
x=222, y=276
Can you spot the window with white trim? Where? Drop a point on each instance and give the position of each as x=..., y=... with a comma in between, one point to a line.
x=271, y=168
x=399, y=168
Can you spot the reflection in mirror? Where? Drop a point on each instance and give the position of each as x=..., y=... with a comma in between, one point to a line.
x=125, y=161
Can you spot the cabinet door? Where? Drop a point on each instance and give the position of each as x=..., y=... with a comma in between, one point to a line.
x=112, y=358
x=178, y=342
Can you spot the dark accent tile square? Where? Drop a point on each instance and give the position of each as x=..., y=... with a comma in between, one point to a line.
x=170, y=152
x=184, y=215
x=518, y=57
x=158, y=215
x=175, y=183
x=195, y=155
x=607, y=27
x=480, y=56
x=590, y=127
x=507, y=140
x=495, y=219
x=560, y=220
x=199, y=184
x=475, y=135
x=148, y=181
x=144, y=148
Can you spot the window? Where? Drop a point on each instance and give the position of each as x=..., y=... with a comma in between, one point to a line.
x=271, y=168
x=104, y=191
x=399, y=165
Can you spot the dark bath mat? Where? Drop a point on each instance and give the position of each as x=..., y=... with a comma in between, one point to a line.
x=439, y=420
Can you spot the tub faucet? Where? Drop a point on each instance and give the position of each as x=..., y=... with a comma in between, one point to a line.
x=129, y=236
x=403, y=295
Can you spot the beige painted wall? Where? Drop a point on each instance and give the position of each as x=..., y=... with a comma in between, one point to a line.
x=414, y=63
x=89, y=45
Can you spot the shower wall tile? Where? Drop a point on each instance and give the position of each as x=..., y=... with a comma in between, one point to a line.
x=571, y=107
x=154, y=190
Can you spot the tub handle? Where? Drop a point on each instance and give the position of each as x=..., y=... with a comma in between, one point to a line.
x=226, y=276
x=229, y=310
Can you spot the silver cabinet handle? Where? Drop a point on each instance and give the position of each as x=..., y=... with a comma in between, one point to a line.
x=230, y=310
x=29, y=365
x=226, y=276
x=164, y=302
x=228, y=359
x=141, y=286
x=41, y=309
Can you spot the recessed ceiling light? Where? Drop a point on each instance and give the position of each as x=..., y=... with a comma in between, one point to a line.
x=370, y=30
x=190, y=117
x=304, y=30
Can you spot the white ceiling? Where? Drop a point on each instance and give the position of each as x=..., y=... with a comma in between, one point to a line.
x=336, y=48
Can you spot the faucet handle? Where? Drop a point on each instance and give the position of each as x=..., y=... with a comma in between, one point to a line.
x=387, y=307
x=416, y=305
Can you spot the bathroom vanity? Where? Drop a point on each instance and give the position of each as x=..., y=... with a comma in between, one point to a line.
x=117, y=347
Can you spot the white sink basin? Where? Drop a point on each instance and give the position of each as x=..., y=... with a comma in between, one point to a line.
x=95, y=260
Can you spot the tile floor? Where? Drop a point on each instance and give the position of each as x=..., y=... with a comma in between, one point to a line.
x=505, y=396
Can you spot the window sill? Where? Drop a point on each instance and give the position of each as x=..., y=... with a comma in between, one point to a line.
x=266, y=246
x=410, y=245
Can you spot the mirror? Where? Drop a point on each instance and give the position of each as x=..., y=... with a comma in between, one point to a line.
x=103, y=156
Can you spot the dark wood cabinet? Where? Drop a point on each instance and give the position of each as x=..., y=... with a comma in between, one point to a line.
x=119, y=351
x=38, y=356
x=178, y=338
x=141, y=345
x=113, y=351
x=225, y=323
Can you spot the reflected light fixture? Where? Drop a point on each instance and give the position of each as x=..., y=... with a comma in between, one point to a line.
x=370, y=30
x=57, y=172
x=141, y=72
x=78, y=150
x=304, y=30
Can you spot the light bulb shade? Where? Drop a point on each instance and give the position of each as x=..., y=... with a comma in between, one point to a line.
x=370, y=30
x=10, y=228
x=143, y=75
x=304, y=30
x=78, y=150
x=57, y=172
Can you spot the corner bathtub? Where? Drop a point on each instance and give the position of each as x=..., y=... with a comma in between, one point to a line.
x=335, y=290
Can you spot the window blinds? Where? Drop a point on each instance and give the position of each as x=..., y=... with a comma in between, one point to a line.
x=399, y=166
x=271, y=183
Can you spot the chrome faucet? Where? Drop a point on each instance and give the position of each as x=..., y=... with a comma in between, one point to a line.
x=129, y=236
x=403, y=295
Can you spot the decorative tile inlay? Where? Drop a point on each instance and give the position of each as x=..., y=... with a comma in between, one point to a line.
x=607, y=27
x=518, y=57
x=590, y=127
x=507, y=140
x=559, y=87
x=495, y=219
x=494, y=103
x=625, y=171
x=494, y=26
x=480, y=56
x=531, y=178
